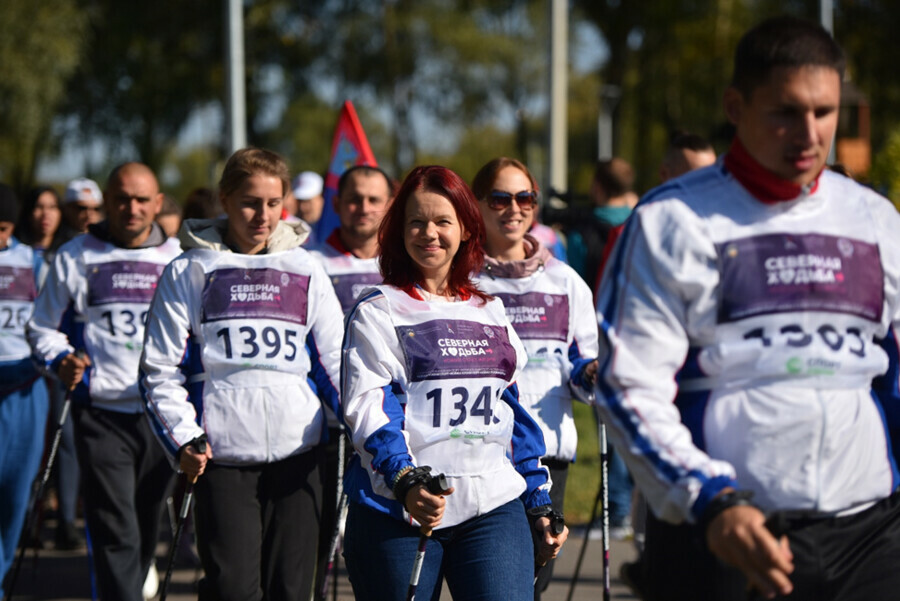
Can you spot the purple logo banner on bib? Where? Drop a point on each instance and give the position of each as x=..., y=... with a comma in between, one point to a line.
x=781, y=273
x=122, y=282
x=236, y=293
x=443, y=349
x=348, y=286
x=17, y=283
x=537, y=315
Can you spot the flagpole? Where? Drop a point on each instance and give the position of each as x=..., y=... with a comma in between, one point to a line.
x=234, y=71
x=559, y=34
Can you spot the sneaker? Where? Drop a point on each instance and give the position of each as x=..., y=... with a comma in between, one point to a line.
x=68, y=538
x=621, y=530
x=596, y=532
x=151, y=583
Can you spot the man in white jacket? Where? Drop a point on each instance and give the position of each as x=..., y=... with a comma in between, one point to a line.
x=750, y=311
x=88, y=329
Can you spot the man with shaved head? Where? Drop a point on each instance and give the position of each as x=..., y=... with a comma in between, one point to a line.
x=87, y=330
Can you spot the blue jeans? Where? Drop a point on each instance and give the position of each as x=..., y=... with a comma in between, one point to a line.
x=68, y=474
x=488, y=557
x=620, y=487
x=23, y=415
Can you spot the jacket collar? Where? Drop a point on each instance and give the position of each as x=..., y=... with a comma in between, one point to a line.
x=764, y=185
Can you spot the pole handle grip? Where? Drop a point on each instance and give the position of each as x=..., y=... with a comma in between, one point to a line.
x=436, y=485
x=200, y=445
x=80, y=354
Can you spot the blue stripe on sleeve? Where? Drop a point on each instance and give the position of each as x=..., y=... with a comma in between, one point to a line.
x=326, y=389
x=578, y=364
x=387, y=444
x=527, y=448
x=612, y=398
x=692, y=405
x=189, y=365
x=886, y=393
x=192, y=365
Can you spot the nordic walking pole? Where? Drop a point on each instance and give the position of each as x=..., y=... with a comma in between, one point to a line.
x=338, y=531
x=584, y=543
x=31, y=520
x=436, y=485
x=342, y=460
x=200, y=445
x=344, y=504
x=602, y=497
x=604, y=486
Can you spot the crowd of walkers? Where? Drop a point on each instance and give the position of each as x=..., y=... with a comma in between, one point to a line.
x=735, y=329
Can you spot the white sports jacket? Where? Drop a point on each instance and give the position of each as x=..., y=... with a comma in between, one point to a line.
x=552, y=311
x=770, y=321
x=96, y=298
x=428, y=382
x=349, y=274
x=230, y=341
x=19, y=267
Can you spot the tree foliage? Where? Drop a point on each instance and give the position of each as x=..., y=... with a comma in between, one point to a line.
x=433, y=80
x=886, y=168
x=148, y=66
x=865, y=30
x=41, y=44
x=672, y=61
x=430, y=71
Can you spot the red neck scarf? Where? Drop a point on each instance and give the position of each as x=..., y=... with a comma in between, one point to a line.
x=334, y=240
x=759, y=181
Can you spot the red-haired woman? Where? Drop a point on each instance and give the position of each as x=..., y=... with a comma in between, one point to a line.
x=550, y=307
x=428, y=371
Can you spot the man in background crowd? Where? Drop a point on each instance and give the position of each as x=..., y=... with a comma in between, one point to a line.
x=82, y=205
x=350, y=257
x=169, y=218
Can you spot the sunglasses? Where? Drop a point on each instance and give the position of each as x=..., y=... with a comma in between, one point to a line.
x=498, y=200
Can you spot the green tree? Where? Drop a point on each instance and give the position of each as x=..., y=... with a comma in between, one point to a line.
x=865, y=30
x=149, y=65
x=886, y=168
x=671, y=61
x=41, y=44
x=420, y=67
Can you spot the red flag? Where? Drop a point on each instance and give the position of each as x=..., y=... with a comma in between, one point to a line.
x=349, y=147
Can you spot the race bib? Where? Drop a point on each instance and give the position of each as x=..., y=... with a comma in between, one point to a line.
x=348, y=286
x=128, y=282
x=786, y=273
x=445, y=349
x=537, y=315
x=237, y=293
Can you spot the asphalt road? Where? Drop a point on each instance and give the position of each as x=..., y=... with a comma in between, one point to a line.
x=64, y=575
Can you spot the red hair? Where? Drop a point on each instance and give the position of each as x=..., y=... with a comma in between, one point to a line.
x=398, y=268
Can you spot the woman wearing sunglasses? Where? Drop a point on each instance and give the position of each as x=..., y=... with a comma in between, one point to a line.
x=428, y=371
x=549, y=306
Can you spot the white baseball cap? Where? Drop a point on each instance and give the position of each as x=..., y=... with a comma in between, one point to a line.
x=83, y=190
x=307, y=185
